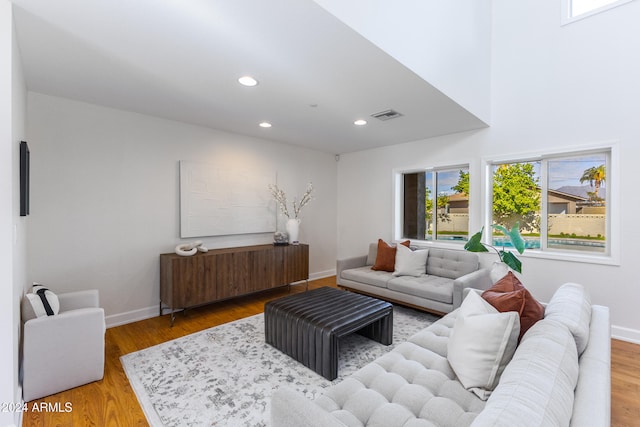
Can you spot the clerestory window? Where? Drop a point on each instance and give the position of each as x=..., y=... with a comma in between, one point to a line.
x=573, y=10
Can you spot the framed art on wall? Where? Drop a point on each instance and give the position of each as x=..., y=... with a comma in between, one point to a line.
x=217, y=201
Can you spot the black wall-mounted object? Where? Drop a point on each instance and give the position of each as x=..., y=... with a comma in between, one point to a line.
x=24, y=179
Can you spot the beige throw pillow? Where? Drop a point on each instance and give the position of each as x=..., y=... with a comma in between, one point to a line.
x=481, y=344
x=410, y=263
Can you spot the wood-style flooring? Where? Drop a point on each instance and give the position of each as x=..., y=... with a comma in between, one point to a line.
x=112, y=402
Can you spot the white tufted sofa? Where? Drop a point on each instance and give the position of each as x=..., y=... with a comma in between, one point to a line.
x=558, y=376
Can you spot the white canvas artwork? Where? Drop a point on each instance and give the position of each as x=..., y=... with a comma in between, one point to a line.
x=216, y=202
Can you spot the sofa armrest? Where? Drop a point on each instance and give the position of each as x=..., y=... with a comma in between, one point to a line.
x=79, y=299
x=479, y=279
x=592, y=404
x=62, y=351
x=291, y=409
x=347, y=263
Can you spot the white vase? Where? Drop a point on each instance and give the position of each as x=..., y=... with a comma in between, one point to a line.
x=293, y=228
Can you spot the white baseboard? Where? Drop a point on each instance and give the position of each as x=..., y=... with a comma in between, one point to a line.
x=149, y=312
x=625, y=334
x=322, y=274
x=131, y=316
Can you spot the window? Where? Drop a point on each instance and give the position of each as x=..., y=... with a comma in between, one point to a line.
x=436, y=204
x=578, y=9
x=560, y=202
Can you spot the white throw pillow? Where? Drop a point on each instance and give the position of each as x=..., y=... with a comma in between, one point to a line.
x=43, y=301
x=410, y=263
x=481, y=344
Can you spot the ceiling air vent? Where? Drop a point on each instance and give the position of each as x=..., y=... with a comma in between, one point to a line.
x=386, y=115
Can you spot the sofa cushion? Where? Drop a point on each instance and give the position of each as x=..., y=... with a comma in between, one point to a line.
x=409, y=386
x=386, y=256
x=481, y=344
x=571, y=306
x=436, y=336
x=451, y=264
x=537, y=387
x=532, y=310
x=430, y=287
x=367, y=275
x=410, y=262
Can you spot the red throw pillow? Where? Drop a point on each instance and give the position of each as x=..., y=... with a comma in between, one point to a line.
x=386, y=257
x=509, y=294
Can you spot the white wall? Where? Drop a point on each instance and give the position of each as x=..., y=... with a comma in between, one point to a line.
x=447, y=43
x=12, y=226
x=105, y=197
x=552, y=87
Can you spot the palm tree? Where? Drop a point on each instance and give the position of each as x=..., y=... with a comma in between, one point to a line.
x=595, y=175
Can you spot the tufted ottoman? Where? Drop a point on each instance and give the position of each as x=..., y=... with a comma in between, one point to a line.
x=307, y=326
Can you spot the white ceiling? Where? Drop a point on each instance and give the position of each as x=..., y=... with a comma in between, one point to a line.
x=180, y=60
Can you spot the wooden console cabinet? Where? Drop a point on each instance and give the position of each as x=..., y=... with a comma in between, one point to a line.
x=188, y=281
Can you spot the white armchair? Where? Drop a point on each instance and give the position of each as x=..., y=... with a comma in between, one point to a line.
x=65, y=350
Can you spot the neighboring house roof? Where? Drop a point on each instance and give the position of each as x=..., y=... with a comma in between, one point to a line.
x=458, y=197
x=567, y=196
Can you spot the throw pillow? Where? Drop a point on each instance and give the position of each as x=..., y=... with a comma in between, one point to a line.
x=410, y=263
x=386, y=257
x=506, y=295
x=481, y=344
x=43, y=301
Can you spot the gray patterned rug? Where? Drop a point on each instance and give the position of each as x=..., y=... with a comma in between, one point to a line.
x=224, y=376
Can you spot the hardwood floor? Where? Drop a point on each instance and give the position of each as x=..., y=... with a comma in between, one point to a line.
x=625, y=384
x=112, y=402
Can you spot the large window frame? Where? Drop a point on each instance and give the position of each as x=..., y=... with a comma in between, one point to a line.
x=399, y=202
x=611, y=254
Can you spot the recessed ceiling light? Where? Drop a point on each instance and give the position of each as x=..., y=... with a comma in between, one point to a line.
x=360, y=122
x=265, y=125
x=247, y=81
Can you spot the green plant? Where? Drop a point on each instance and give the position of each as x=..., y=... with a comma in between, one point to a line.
x=475, y=244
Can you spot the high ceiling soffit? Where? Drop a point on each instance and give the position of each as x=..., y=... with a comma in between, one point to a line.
x=180, y=60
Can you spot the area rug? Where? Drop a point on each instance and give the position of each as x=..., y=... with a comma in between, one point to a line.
x=225, y=376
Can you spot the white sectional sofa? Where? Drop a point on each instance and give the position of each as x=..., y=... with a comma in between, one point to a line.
x=447, y=274
x=559, y=375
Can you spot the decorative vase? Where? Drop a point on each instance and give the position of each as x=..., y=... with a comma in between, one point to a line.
x=293, y=227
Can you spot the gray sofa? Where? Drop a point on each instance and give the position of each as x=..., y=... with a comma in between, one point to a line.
x=448, y=273
x=559, y=375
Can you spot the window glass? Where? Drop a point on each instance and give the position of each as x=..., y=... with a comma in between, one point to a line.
x=577, y=203
x=436, y=205
x=580, y=7
x=452, y=200
x=517, y=200
x=567, y=210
